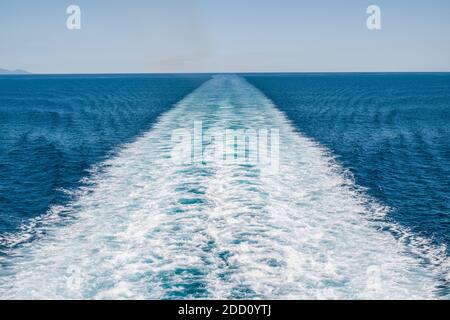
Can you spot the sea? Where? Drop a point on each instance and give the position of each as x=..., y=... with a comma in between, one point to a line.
x=93, y=204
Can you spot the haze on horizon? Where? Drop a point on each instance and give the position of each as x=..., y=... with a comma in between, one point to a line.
x=224, y=36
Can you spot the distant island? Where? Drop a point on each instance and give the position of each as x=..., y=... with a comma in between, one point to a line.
x=17, y=71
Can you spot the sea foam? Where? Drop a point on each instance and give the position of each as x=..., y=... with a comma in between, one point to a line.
x=147, y=228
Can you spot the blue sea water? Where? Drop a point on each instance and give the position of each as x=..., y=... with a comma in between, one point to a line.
x=92, y=207
x=54, y=128
x=392, y=131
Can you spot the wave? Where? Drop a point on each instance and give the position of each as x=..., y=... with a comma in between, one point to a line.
x=145, y=228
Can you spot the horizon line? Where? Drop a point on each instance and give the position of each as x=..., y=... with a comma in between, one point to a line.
x=220, y=72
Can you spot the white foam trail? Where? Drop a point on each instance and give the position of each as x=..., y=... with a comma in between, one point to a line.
x=150, y=229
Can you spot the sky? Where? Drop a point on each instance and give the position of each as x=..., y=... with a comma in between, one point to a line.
x=134, y=36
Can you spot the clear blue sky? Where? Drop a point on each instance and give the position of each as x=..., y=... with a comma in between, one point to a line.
x=224, y=35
